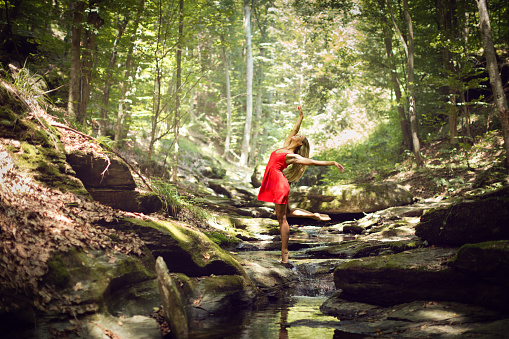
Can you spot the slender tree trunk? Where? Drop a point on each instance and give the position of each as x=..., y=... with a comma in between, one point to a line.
x=124, y=84
x=411, y=96
x=75, y=70
x=249, y=86
x=94, y=22
x=103, y=123
x=226, y=62
x=403, y=120
x=495, y=80
x=174, y=171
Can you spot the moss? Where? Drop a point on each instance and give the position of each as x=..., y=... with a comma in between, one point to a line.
x=58, y=274
x=222, y=240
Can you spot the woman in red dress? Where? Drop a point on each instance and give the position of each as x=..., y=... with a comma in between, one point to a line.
x=293, y=159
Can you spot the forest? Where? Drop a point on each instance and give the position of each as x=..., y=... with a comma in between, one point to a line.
x=378, y=80
x=133, y=140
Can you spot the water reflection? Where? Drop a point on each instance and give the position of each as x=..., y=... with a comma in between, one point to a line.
x=293, y=318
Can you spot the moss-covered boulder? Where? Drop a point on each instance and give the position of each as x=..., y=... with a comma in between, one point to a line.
x=480, y=219
x=90, y=279
x=350, y=198
x=421, y=274
x=489, y=260
x=184, y=250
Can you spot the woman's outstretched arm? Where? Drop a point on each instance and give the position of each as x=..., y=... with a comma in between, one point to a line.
x=296, y=127
x=297, y=159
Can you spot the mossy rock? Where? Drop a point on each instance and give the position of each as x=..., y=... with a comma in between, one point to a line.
x=421, y=274
x=350, y=198
x=489, y=260
x=360, y=249
x=91, y=277
x=485, y=218
x=184, y=250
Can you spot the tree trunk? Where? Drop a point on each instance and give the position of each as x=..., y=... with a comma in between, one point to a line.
x=249, y=86
x=124, y=84
x=403, y=120
x=103, y=123
x=495, y=80
x=411, y=96
x=75, y=71
x=94, y=22
x=226, y=62
x=174, y=170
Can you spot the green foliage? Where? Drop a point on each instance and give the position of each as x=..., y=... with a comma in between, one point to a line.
x=180, y=205
x=379, y=153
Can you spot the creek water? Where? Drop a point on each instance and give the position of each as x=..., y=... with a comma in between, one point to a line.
x=293, y=315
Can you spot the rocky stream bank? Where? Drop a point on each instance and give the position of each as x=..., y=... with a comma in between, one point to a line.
x=83, y=255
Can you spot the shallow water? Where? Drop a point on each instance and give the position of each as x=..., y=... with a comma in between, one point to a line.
x=297, y=317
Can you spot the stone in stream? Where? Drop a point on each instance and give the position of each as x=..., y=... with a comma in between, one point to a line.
x=421, y=274
x=479, y=219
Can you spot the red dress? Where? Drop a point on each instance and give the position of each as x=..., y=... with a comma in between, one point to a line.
x=275, y=187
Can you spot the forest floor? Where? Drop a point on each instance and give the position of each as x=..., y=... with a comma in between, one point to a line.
x=451, y=171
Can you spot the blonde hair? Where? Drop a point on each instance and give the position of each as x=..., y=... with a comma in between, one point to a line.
x=295, y=171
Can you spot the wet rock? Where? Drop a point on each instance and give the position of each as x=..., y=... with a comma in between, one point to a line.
x=415, y=275
x=103, y=326
x=475, y=220
x=350, y=198
x=418, y=319
x=359, y=249
x=173, y=301
x=354, y=229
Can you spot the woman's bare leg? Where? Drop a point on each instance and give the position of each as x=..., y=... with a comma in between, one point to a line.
x=300, y=213
x=284, y=229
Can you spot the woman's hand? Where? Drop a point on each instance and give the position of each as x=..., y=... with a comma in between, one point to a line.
x=300, y=111
x=339, y=166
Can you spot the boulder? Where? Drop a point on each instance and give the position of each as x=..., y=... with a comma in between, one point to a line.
x=116, y=186
x=474, y=220
x=184, y=250
x=350, y=198
x=421, y=274
x=173, y=301
x=359, y=249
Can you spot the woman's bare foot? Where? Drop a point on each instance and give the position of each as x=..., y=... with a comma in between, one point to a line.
x=320, y=217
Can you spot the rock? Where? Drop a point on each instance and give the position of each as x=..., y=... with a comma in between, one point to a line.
x=257, y=176
x=89, y=169
x=476, y=220
x=183, y=249
x=238, y=192
x=354, y=229
x=116, y=186
x=215, y=296
x=350, y=198
x=489, y=260
x=421, y=274
x=213, y=172
x=173, y=301
x=360, y=249
x=103, y=326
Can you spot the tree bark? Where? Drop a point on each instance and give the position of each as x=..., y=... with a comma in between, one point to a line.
x=94, y=22
x=411, y=96
x=75, y=69
x=174, y=171
x=249, y=86
x=124, y=84
x=226, y=62
x=103, y=123
x=403, y=120
x=495, y=80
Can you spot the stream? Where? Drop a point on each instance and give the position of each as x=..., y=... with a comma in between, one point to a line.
x=296, y=312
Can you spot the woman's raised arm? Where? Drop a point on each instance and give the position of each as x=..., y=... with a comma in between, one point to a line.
x=296, y=128
x=297, y=159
